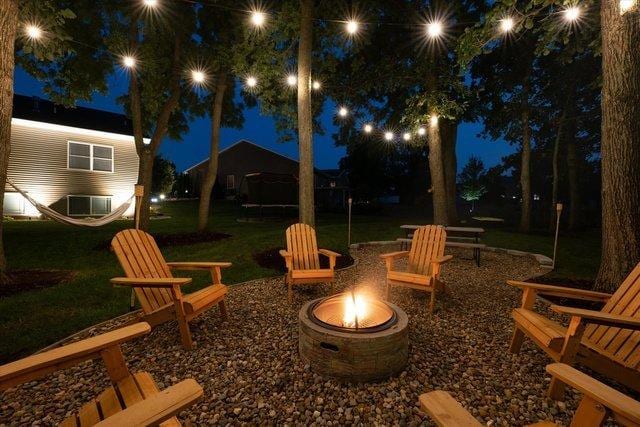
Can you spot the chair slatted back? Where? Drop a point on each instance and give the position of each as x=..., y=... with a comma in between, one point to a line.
x=427, y=244
x=622, y=345
x=140, y=257
x=303, y=246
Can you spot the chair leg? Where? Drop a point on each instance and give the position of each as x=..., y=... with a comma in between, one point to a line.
x=567, y=355
x=223, y=310
x=185, y=334
x=516, y=341
x=432, y=301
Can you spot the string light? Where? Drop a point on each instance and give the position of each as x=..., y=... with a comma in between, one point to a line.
x=129, y=61
x=422, y=131
x=352, y=27
x=626, y=5
x=343, y=112
x=368, y=128
x=150, y=3
x=258, y=18
x=572, y=13
x=292, y=80
x=198, y=76
x=388, y=136
x=434, y=29
x=406, y=136
x=251, y=82
x=506, y=25
x=316, y=85
x=33, y=31
x=433, y=120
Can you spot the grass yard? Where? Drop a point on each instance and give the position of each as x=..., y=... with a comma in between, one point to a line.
x=34, y=319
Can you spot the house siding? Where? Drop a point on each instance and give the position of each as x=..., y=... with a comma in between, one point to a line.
x=38, y=165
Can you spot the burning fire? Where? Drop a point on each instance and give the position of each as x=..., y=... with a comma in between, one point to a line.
x=355, y=307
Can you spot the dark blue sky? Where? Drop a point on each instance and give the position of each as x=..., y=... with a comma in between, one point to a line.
x=260, y=129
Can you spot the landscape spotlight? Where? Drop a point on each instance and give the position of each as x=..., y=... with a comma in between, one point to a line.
x=422, y=131
x=292, y=80
x=343, y=112
x=251, y=81
x=572, y=13
x=352, y=27
x=433, y=120
x=258, y=18
x=434, y=29
x=316, y=85
x=627, y=5
x=406, y=136
x=507, y=24
x=129, y=61
x=150, y=3
x=368, y=128
x=33, y=31
x=198, y=76
x=388, y=136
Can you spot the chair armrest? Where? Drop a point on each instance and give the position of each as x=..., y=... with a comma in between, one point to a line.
x=328, y=253
x=285, y=254
x=445, y=411
x=157, y=408
x=394, y=254
x=617, y=402
x=561, y=291
x=600, y=318
x=39, y=365
x=197, y=265
x=166, y=282
x=442, y=259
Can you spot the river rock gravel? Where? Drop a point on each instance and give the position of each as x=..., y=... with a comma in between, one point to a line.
x=252, y=374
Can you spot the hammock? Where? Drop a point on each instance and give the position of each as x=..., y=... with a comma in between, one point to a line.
x=82, y=222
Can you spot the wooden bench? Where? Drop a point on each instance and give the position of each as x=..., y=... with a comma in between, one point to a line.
x=132, y=399
x=405, y=243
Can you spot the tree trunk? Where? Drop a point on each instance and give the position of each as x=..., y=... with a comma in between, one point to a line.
x=8, y=28
x=620, y=145
x=305, y=117
x=575, y=220
x=438, y=183
x=145, y=174
x=449, y=139
x=556, y=175
x=212, y=168
x=525, y=166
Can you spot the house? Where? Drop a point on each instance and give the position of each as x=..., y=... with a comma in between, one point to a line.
x=244, y=163
x=78, y=161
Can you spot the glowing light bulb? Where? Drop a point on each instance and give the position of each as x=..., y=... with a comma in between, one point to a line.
x=506, y=25
x=572, y=13
x=388, y=136
x=198, y=76
x=433, y=120
x=150, y=3
x=343, y=112
x=316, y=85
x=434, y=29
x=352, y=27
x=33, y=31
x=129, y=61
x=422, y=131
x=406, y=136
x=252, y=82
x=627, y=5
x=368, y=128
x=258, y=18
x=292, y=80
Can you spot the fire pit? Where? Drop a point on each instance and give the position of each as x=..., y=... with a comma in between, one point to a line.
x=354, y=337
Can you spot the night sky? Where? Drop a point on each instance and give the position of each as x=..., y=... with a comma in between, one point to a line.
x=260, y=129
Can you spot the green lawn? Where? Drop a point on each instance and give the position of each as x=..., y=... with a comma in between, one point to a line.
x=34, y=319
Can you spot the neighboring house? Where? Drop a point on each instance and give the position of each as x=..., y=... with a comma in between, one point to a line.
x=246, y=158
x=78, y=161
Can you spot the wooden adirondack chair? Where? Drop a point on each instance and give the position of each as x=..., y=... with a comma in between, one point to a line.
x=302, y=258
x=607, y=341
x=132, y=399
x=425, y=261
x=599, y=402
x=157, y=290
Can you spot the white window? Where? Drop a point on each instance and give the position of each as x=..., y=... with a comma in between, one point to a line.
x=231, y=182
x=90, y=157
x=13, y=204
x=88, y=205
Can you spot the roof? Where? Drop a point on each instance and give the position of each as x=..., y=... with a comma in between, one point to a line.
x=42, y=110
x=235, y=144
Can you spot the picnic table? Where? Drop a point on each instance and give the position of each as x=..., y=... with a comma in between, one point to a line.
x=470, y=238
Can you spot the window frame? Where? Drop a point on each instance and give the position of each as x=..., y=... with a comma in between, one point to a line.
x=91, y=157
x=90, y=197
x=21, y=201
x=233, y=182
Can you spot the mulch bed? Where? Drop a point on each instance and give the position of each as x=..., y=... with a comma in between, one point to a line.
x=177, y=239
x=252, y=374
x=27, y=280
x=271, y=258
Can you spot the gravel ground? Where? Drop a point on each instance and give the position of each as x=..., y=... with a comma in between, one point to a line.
x=252, y=374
